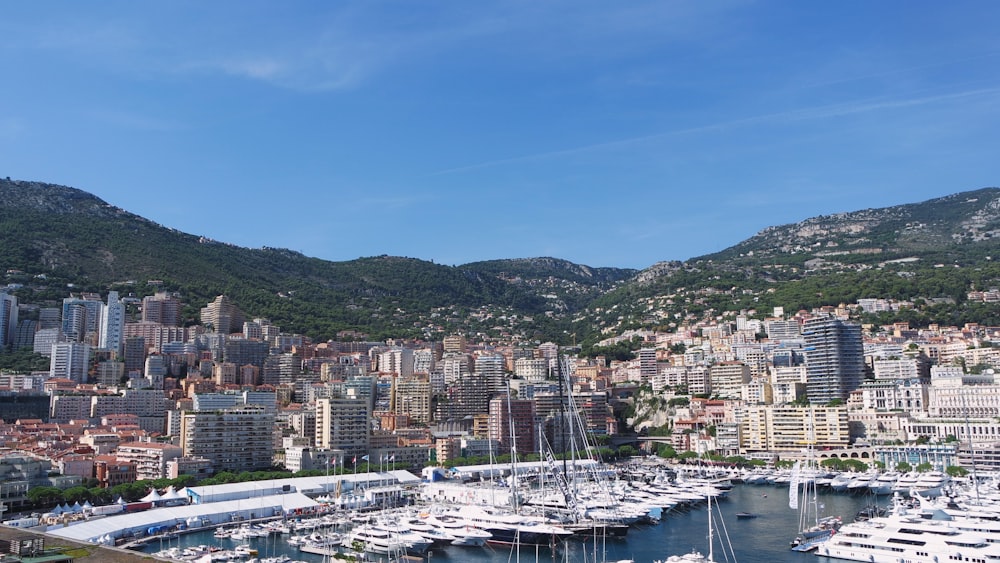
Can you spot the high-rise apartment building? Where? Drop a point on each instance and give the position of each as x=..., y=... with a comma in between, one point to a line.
x=455, y=367
x=454, y=344
x=245, y=352
x=149, y=406
x=24, y=334
x=781, y=330
x=156, y=370
x=791, y=429
x=281, y=369
x=468, y=396
x=835, y=362
x=343, y=424
x=135, y=354
x=162, y=308
x=109, y=373
x=8, y=319
x=156, y=335
x=397, y=360
x=647, y=365
x=234, y=439
x=70, y=360
x=535, y=370
x=222, y=315
x=512, y=423
x=423, y=361
x=45, y=339
x=413, y=398
x=49, y=317
x=81, y=318
x=728, y=379
x=112, y=329
x=150, y=458
x=491, y=367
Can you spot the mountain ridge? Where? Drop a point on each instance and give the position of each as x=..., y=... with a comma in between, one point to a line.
x=74, y=237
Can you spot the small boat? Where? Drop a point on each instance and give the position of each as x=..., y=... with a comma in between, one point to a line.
x=745, y=515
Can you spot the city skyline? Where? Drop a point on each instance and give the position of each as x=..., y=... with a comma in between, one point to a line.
x=604, y=135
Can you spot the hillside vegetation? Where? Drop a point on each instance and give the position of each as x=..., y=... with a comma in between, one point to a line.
x=56, y=239
x=72, y=237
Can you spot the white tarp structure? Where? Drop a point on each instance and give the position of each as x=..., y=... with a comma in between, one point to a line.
x=312, y=486
x=138, y=524
x=172, y=494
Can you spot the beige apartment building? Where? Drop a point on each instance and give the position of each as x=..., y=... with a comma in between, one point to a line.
x=343, y=424
x=767, y=428
x=234, y=439
x=150, y=459
x=413, y=398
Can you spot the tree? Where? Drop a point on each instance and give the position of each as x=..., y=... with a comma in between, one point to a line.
x=833, y=463
x=956, y=471
x=43, y=496
x=666, y=451
x=76, y=494
x=855, y=465
x=627, y=451
x=924, y=467
x=600, y=439
x=903, y=467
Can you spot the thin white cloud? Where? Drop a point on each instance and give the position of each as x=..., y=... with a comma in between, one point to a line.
x=820, y=112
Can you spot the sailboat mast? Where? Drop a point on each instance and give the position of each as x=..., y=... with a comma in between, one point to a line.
x=513, y=453
x=711, y=539
x=563, y=418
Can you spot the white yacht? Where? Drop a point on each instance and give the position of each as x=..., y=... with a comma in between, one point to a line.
x=906, y=536
x=464, y=533
x=861, y=483
x=436, y=534
x=375, y=540
x=883, y=484
x=510, y=529
x=840, y=482
x=905, y=482
x=931, y=483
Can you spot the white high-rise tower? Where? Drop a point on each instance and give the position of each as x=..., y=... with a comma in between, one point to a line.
x=113, y=324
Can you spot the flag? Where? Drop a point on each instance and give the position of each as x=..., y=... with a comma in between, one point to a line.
x=793, y=487
x=355, y=460
x=364, y=457
x=333, y=460
x=392, y=458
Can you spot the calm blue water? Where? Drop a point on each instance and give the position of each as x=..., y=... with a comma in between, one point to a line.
x=760, y=540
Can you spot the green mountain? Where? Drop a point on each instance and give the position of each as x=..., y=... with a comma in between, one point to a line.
x=53, y=236
x=959, y=226
x=928, y=256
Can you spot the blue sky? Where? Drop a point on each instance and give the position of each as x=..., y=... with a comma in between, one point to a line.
x=605, y=133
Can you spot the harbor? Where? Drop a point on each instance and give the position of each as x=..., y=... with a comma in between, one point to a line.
x=646, y=511
x=683, y=530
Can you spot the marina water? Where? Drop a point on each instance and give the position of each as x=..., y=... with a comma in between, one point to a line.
x=764, y=539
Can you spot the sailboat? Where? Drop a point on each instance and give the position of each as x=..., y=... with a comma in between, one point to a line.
x=813, y=528
x=696, y=556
